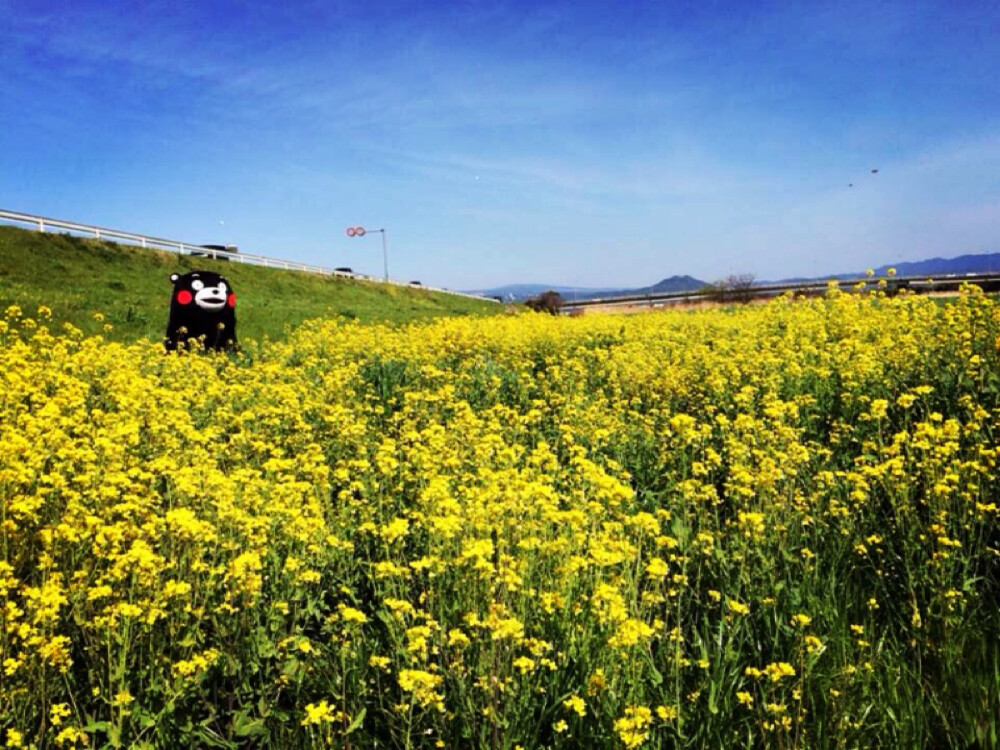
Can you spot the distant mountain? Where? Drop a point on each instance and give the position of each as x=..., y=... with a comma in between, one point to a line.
x=674, y=284
x=984, y=263
x=521, y=292
x=963, y=264
x=670, y=284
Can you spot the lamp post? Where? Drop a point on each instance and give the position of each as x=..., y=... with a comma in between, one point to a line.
x=361, y=232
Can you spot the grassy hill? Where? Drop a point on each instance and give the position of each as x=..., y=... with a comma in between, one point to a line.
x=130, y=287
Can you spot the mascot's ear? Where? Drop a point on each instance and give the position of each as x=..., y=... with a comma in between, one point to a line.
x=174, y=277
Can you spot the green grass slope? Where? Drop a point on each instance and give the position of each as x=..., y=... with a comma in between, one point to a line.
x=130, y=287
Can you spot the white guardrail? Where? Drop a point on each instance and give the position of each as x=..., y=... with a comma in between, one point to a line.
x=44, y=223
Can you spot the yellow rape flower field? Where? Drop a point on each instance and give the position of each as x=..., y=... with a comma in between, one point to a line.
x=775, y=526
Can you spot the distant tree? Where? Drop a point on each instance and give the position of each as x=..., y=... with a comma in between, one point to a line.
x=741, y=286
x=733, y=288
x=550, y=302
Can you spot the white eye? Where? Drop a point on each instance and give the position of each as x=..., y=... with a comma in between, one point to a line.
x=197, y=285
x=222, y=287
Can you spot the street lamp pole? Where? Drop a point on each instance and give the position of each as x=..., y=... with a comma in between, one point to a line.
x=361, y=232
x=385, y=256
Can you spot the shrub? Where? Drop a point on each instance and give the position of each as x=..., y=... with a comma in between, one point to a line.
x=550, y=302
x=733, y=288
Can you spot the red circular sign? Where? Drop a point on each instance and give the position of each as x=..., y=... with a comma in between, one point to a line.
x=351, y=231
x=360, y=231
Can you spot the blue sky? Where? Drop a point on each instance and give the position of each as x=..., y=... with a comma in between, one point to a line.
x=579, y=143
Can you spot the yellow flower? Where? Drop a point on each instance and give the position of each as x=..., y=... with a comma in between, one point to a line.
x=738, y=607
x=507, y=628
x=482, y=466
x=350, y=614
x=318, y=713
x=596, y=682
x=630, y=633
x=71, y=735
x=577, y=704
x=395, y=529
x=633, y=727
x=524, y=664
x=777, y=670
x=59, y=711
x=801, y=620
x=813, y=644
x=657, y=568
x=423, y=686
x=666, y=713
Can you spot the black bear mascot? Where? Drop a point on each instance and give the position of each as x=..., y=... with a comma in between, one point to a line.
x=202, y=310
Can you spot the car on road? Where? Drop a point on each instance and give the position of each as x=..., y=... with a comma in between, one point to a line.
x=214, y=250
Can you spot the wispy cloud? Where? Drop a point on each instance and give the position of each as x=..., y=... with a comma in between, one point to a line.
x=724, y=133
x=933, y=203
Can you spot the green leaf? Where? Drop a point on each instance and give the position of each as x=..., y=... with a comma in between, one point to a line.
x=208, y=738
x=655, y=675
x=244, y=726
x=357, y=721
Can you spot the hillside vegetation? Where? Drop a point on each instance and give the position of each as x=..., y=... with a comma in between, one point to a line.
x=130, y=287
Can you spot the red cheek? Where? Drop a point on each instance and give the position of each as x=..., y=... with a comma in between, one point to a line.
x=231, y=300
x=184, y=297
